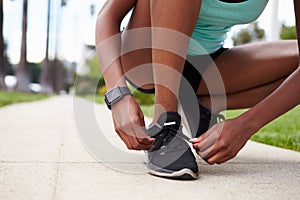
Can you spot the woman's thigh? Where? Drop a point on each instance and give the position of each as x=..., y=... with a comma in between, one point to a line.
x=252, y=65
x=136, y=60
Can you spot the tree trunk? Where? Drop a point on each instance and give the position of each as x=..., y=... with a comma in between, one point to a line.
x=46, y=81
x=59, y=76
x=3, y=65
x=23, y=72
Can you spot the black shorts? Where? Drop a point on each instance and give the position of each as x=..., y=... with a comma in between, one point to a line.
x=194, y=66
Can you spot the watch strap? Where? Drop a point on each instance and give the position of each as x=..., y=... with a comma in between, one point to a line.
x=125, y=91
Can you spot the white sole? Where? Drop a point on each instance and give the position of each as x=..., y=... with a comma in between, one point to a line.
x=182, y=173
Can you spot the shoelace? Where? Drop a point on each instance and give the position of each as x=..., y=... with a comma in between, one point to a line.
x=167, y=134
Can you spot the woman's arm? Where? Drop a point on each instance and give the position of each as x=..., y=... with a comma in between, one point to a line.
x=286, y=97
x=127, y=115
x=223, y=141
x=108, y=40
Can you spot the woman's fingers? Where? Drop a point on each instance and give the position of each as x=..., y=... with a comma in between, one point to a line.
x=145, y=141
x=208, y=152
x=136, y=139
x=126, y=139
x=142, y=137
x=139, y=132
x=224, y=159
x=216, y=158
x=227, y=142
x=207, y=140
x=135, y=143
x=221, y=157
x=211, y=146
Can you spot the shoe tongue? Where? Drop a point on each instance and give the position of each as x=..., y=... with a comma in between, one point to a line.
x=169, y=119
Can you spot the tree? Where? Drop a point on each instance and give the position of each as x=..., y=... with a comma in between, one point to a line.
x=252, y=33
x=288, y=32
x=46, y=86
x=2, y=51
x=50, y=77
x=23, y=71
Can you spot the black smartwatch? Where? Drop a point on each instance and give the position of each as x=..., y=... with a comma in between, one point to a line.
x=116, y=94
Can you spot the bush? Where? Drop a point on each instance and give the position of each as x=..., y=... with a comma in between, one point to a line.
x=252, y=33
x=143, y=98
x=288, y=32
x=85, y=84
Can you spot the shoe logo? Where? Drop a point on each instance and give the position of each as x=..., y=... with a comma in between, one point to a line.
x=169, y=123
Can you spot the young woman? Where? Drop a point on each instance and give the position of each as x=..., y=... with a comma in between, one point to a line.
x=264, y=77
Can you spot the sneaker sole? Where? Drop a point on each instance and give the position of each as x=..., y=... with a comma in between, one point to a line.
x=183, y=174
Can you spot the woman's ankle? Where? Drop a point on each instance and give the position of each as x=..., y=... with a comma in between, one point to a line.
x=215, y=107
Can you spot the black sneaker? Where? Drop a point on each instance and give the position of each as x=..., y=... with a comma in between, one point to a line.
x=199, y=121
x=171, y=156
x=207, y=119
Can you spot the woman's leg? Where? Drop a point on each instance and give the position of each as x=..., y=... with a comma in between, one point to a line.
x=240, y=100
x=173, y=22
x=250, y=73
x=157, y=66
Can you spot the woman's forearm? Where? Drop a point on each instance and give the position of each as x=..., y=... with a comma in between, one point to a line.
x=108, y=50
x=108, y=41
x=281, y=100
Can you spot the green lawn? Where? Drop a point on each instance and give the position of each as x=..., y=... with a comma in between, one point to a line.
x=283, y=132
x=7, y=98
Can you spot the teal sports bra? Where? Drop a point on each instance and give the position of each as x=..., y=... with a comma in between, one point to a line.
x=216, y=18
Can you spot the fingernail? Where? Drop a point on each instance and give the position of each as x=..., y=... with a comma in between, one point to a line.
x=193, y=139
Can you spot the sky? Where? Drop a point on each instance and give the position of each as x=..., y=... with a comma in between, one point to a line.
x=76, y=26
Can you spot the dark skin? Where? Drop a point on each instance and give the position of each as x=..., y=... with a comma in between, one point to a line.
x=127, y=115
x=224, y=140
x=274, y=91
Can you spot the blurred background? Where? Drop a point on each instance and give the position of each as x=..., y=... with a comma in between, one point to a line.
x=48, y=45
x=43, y=43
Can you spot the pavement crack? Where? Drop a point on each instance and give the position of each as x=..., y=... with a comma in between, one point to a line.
x=58, y=168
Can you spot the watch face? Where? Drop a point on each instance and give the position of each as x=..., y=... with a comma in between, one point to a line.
x=113, y=95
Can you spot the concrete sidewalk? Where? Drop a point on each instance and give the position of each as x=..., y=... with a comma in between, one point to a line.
x=41, y=157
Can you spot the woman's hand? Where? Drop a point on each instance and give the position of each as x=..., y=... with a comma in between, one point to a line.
x=129, y=124
x=223, y=141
